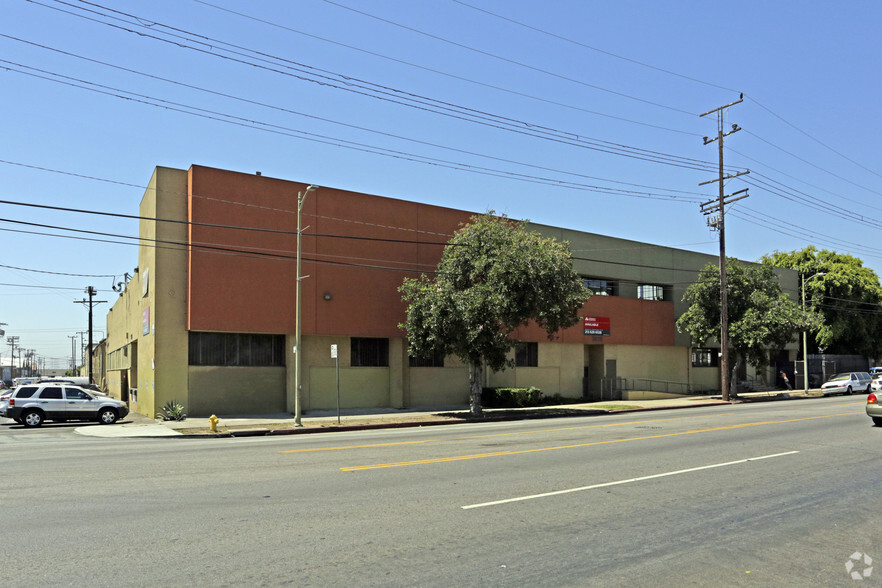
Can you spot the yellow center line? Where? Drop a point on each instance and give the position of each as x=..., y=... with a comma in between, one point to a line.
x=507, y=434
x=523, y=451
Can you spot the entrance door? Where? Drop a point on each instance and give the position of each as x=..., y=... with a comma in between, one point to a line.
x=612, y=381
x=124, y=386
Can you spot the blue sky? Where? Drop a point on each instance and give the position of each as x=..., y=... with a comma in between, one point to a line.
x=590, y=111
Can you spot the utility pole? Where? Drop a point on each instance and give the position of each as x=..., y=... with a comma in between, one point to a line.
x=298, y=352
x=12, y=343
x=719, y=223
x=91, y=292
x=73, y=354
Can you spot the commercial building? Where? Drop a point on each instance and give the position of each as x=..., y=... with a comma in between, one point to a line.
x=208, y=318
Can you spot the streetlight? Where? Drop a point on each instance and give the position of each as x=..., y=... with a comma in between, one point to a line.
x=301, y=196
x=805, y=335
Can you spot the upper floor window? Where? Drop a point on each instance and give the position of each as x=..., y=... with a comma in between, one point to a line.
x=527, y=355
x=369, y=352
x=650, y=292
x=601, y=287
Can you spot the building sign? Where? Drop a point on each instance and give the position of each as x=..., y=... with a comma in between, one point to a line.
x=597, y=325
x=145, y=321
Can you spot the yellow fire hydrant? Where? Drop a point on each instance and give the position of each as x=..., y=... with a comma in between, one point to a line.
x=213, y=420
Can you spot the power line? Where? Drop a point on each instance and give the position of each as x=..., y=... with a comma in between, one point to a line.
x=511, y=61
x=443, y=73
x=585, y=46
x=332, y=79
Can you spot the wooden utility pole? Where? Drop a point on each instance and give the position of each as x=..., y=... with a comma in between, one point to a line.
x=719, y=223
x=91, y=292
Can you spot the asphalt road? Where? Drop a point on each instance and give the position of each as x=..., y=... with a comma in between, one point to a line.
x=773, y=494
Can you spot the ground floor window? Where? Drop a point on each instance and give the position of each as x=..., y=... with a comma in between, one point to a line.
x=527, y=355
x=369, y=352
x=236, y=349
x=436, y=360
x=702, y=357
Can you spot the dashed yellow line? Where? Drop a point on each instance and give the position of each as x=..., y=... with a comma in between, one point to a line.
x=523, y=451
x=507, y=434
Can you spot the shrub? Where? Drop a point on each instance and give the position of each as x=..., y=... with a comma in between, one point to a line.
x=511, y=397
x=173, y=411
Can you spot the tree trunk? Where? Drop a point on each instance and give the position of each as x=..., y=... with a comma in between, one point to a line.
x=475, y=392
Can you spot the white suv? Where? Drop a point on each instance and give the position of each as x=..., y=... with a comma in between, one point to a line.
x=33, y=404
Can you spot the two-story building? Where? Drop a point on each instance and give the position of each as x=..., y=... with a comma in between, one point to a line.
x=209, y=317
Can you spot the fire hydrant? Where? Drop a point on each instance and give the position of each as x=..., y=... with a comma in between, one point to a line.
x=213, y=420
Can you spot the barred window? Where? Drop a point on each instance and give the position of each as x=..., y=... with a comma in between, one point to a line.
x=436, y=360
x=369, y=352
x=705, y=357
x=237, y=349
x=527, y=355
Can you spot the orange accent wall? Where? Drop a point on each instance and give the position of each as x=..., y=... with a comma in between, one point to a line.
x=632, y=322
x=234, y=292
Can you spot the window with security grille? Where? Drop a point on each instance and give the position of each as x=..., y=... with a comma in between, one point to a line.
x=436, y=360
x=369, y=352
x=236, y=349
x=705, y=357
x=527, y=355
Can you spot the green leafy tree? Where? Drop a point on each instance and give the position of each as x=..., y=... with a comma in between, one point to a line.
x=844, y=293
x=760, y=315
x=494, y=276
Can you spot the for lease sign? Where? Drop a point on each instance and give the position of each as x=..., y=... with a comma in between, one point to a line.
x=597, y=325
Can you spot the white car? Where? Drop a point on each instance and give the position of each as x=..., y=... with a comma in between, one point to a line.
x=848, y=383
x=876, y=384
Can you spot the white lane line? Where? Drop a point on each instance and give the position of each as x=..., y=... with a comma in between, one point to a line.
x=640, y=479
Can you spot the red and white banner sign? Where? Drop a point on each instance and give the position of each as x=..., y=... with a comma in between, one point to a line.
x=597, y=325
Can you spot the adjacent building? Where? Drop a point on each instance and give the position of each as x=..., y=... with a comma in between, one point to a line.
x=208, y=317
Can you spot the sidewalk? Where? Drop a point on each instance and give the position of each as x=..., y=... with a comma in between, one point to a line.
x=137, y=425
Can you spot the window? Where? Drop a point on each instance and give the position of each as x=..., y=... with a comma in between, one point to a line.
x=436, y=360
x=369, y=352
x=26, y=391
x=601, y=287
x=705, y=357
x=650, y=292
x=527, y=355
x=237, y=349
x=52, y=393
x=74, y=394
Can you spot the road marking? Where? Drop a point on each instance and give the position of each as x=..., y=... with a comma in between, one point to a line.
x=579, y=445
x=629, y=481
x=507, y=434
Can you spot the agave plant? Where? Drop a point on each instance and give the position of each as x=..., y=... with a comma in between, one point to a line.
x=173, y=411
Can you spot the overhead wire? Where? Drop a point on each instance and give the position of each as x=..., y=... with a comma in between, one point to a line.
x=348, y=83
x=446, y=74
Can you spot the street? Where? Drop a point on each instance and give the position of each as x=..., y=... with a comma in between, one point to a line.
x=766, y=494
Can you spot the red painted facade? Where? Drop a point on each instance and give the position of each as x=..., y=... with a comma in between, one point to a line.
x=357, y=248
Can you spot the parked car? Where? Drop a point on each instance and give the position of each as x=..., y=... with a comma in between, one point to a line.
x=876, y=384
x=874, y=408
x=4, y=401
x=848, y=383
x=32, y=405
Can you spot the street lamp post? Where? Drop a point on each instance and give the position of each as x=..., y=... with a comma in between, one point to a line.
x=298, y=353
x=805, y=373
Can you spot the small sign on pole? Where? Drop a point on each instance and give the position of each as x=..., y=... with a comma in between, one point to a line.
x=337, y=366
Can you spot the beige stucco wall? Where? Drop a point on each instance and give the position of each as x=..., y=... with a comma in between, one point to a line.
x=236, y=390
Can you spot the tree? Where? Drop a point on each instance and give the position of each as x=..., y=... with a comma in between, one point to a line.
x=844, y=293
x=493, y=277
x=760, y=315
